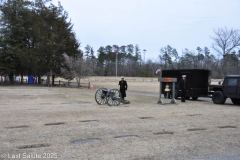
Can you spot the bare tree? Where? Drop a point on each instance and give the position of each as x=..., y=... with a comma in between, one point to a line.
x=225, y=40
x=76, y=68
x=88, y=50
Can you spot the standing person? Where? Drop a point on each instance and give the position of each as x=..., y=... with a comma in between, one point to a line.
x=123, y=87
x=183, y=87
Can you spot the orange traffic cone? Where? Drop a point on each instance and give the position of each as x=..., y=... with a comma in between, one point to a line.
x=91, y=87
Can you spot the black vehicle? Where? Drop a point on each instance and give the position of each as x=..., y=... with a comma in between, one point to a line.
x=230, y=88
x=198, y=81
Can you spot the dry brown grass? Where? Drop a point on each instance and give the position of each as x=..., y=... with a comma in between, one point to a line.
x=39, y=120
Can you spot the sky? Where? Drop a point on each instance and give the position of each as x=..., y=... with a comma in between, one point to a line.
x=151, y=24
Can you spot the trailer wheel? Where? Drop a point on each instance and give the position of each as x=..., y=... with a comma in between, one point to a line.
x=194, y=98
x=235, y=101
x=218, y=97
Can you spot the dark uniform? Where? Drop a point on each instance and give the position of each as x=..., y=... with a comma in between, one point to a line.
x=123, y=87
x=183, y=87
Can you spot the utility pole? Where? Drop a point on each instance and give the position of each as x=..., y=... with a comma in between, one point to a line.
x=144, y=55
x=114, y=49
x=116, y=64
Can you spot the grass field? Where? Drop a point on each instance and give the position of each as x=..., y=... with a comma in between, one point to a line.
x=41, y=121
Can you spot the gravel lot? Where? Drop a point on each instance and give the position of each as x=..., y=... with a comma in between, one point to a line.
x=40, y=122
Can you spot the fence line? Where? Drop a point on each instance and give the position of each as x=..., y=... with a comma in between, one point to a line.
x=114, y=79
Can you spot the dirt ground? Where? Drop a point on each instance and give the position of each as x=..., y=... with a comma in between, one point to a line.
x=67, y=123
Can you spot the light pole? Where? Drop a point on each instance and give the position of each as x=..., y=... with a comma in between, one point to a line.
x=116, y=64
x=144, y=55
x=114, y=49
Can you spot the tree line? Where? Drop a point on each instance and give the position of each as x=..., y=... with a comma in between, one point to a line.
x=36, y=38
x=34, y=35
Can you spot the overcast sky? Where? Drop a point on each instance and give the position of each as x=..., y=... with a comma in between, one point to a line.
x=152, y=24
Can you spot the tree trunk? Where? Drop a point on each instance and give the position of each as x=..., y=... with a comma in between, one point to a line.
x=21, y=78
x=48, y=80
x=11, y=78
x=53, y=79
x=39, y=79
x=78, y=81
x=224, y=66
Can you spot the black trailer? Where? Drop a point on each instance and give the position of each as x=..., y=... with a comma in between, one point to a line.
x=198, y=81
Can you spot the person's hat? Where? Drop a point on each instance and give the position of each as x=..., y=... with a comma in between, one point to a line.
x=183, y=76
x=122, y=77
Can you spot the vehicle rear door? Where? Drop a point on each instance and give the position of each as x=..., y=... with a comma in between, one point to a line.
x=230, y=87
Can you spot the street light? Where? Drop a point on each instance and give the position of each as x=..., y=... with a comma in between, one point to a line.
x=144, y=55
x=114, y=49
